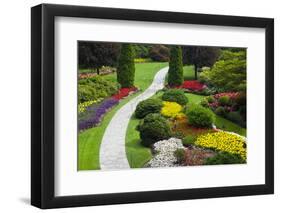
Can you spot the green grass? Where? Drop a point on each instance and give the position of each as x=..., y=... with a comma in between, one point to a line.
x=188, y=72
x=222, y=123
x=89, y=141
x=87, y=70
x=137, y=154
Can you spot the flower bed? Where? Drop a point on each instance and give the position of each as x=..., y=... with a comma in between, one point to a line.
x=231, y=95
x=97, y=113
x=193, y=85
x=172, y=110
x=83, y=106
x=223, y=141
x=124, y=92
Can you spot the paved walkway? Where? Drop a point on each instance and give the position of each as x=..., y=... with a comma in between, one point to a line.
x=113, y=150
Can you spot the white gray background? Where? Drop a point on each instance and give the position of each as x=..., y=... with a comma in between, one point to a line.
x=15, y=104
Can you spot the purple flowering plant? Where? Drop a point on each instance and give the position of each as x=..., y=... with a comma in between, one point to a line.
x=94, y=114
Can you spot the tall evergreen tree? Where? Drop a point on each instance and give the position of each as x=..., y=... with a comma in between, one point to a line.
x=126, y=66
x=175, y=73
x=200, y=56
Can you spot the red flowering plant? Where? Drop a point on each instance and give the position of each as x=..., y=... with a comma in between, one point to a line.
x=231, y=95
x=192, y=85
x=124, y=92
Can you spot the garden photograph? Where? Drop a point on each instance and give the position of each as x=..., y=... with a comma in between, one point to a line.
x=160, y=105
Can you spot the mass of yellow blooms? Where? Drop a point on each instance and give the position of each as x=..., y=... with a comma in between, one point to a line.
x=223, y=141
x=172, y=110
x=82, y=106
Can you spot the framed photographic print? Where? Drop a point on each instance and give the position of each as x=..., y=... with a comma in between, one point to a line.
x=140, y=106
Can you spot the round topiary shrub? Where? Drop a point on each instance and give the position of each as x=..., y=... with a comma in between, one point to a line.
x=153, y=128
x=204, y=103
x=148, y=106
x=199, y=116
x=211, y=99
x=175, y=95
x=224, y=100
x=220, y=111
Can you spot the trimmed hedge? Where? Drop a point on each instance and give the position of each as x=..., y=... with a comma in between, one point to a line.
x=126, y=66
x=175, y=73
x=199, y=116
x=175, y=95
x=153, y=128
x=148, y=106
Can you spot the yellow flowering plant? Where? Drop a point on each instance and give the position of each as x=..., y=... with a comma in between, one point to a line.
x=223, y=141
x=172, y=110
x=82, y=106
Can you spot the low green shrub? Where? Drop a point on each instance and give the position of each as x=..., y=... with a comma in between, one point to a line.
x=224, y=158
x=175, y=95
x=178, y=135
x=86, y=93
x=204, y=103
x=236, y=118
x=211, y=99
x=153, y=128
x=224, y=100
x=148, y=106
x=220, y=111
x=241, y=99
x=94, y=88
x=180, y=155
x=199, y=116
x=189, y=140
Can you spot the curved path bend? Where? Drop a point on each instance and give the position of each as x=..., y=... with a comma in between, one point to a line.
x=113, y=150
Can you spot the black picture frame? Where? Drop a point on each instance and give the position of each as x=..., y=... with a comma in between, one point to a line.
x=43, y=117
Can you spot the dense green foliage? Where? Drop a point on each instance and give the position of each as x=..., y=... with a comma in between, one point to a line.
x=175, y=95
x=175, y=73
x=159, y=52
x=188, y=140
x=148, y=106
x=94, y=88
x=141, y=50
x=229, y=73
x=153, y=128
x=94, y=55
x=220, y=111
x=224, y=158
x=180, y=155
x=200, y=56
x=224, y=100
x=126, y=66
x=199, y=116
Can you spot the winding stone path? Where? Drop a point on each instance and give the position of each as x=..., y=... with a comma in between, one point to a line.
x=112, y=150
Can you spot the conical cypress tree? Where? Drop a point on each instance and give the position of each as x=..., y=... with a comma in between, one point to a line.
x=126, y=66
x=175, y=73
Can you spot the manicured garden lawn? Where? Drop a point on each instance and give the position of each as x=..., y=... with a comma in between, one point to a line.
x=222, y=123
x=137, y=154
x=90, y=140
x=188, y=72
x=87, y=71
